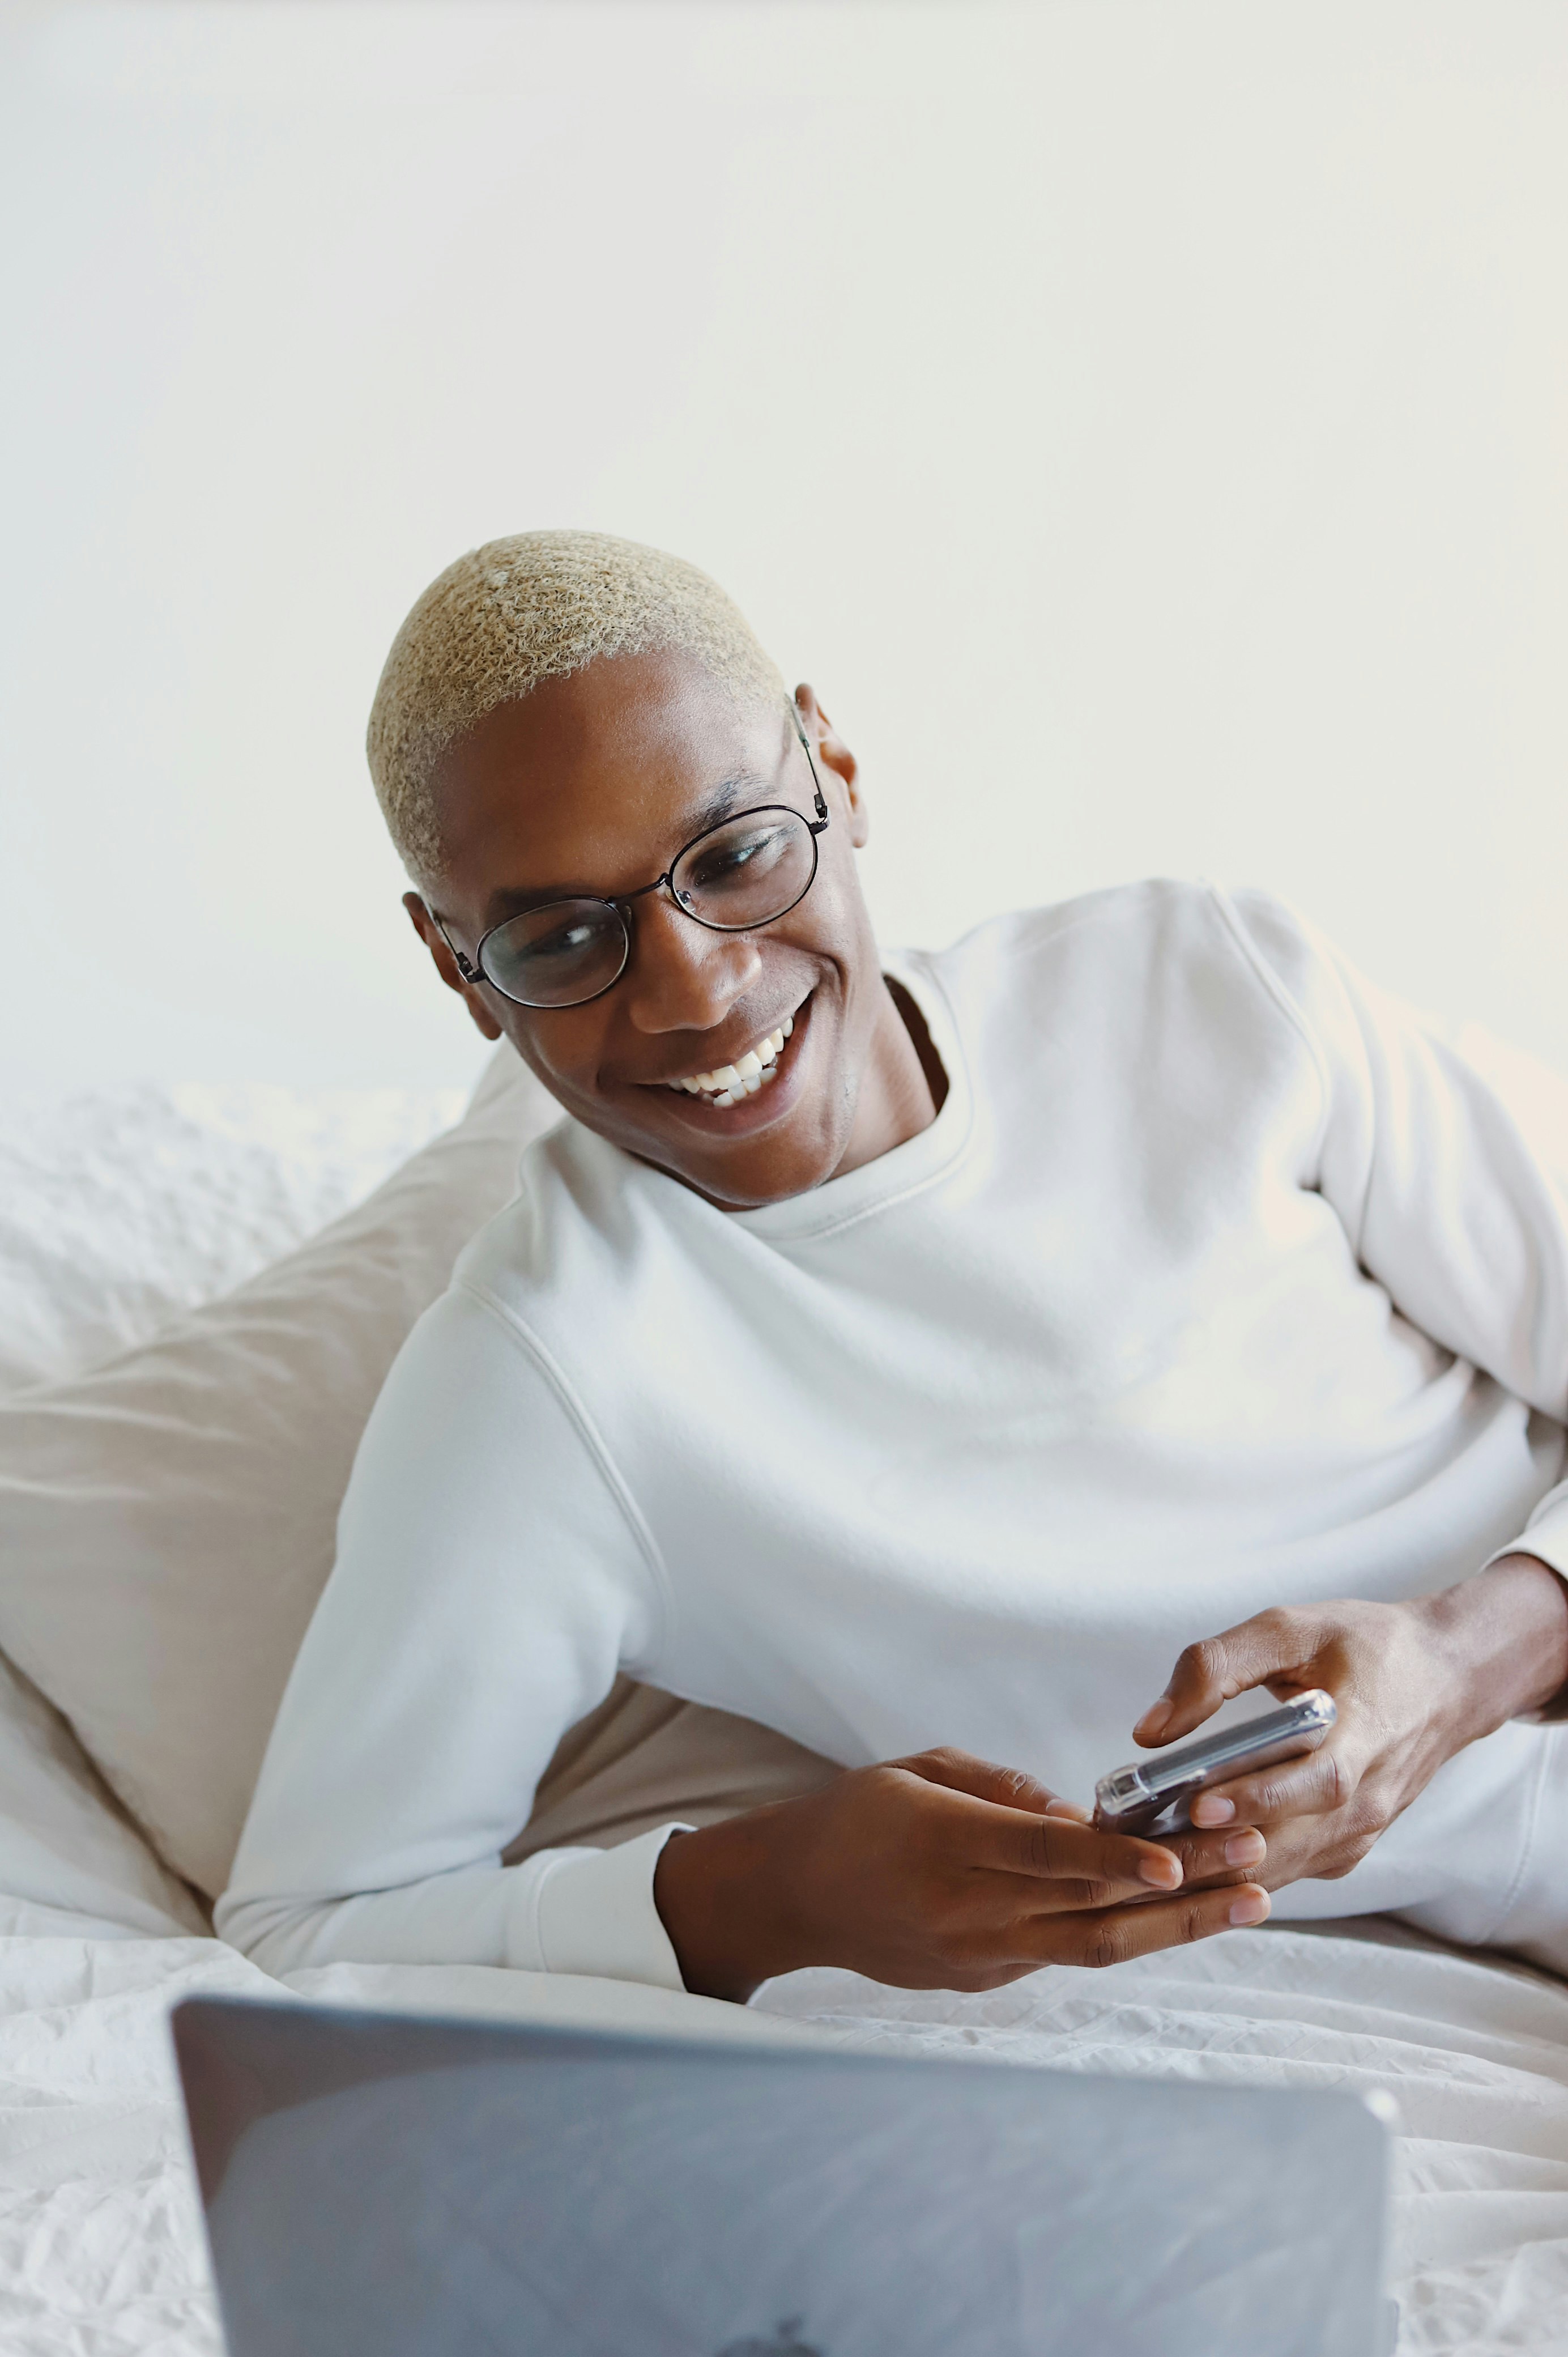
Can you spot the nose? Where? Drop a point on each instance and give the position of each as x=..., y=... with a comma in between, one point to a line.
x=682, y=977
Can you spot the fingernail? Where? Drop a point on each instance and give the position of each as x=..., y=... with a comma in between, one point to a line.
x=1068, y=1809
x=1208, y=1809
x=1246, y=1848
x=1164, y=1871
x=1154, y=1723
x=1251, y=1907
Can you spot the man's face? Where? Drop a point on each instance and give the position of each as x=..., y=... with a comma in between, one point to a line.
x=590, y=786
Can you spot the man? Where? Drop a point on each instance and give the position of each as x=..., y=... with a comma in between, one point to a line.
x=916, y=1354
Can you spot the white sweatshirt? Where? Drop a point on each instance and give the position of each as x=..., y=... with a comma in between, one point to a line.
x=1218, y=1282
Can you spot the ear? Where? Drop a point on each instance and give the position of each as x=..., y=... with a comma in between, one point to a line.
x=434, y=941
x=833, y=754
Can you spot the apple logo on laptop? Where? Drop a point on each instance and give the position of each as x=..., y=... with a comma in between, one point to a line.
x=786, y=2342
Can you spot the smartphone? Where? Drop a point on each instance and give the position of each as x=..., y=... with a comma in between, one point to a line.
x=1151, y=1795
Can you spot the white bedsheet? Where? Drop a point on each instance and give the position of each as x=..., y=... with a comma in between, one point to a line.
x=100, y=2250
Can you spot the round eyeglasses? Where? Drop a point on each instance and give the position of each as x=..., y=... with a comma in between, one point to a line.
x=750, y=871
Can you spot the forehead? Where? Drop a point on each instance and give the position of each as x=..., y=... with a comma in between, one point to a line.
x=586, y=778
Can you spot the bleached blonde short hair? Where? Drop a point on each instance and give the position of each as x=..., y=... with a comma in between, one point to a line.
x=532, y=608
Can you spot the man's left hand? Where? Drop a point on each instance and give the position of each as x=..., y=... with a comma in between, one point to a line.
x=1412, y=1683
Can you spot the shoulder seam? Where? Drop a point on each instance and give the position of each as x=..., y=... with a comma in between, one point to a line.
x=1264, y=974
x=522, y=1334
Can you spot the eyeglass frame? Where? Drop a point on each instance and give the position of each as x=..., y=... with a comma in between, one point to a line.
x=473, y=973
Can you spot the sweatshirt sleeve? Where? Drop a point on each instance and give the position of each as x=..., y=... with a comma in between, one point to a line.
x=1448, y=1171
x=491, y=1577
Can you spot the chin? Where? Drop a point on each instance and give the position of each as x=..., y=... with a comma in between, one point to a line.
x=750, y=1174
x=748, y=1187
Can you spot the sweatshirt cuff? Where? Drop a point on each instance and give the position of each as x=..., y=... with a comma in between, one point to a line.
x=594, y=1913
x=1546, y=1538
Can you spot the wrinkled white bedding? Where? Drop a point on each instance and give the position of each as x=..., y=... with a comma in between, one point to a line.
x=100, y=2250
x=119, y=1207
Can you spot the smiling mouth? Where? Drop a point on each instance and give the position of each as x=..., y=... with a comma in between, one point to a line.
x=732, y=1083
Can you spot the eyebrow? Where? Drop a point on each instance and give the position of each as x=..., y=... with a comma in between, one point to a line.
x=516, y=900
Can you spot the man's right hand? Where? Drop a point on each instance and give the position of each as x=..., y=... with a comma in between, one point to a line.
x=939, y=1871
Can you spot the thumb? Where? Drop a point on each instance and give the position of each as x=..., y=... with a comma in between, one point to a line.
x=1218, y=1669
x=1008, y=1788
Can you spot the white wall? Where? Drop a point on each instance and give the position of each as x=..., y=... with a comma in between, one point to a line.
x=1146, y=424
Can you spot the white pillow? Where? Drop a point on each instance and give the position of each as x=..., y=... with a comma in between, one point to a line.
x=119, y=1207
x=65, y=1843
x=167, y=1523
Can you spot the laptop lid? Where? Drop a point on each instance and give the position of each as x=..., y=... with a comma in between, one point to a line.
x=380, y=2186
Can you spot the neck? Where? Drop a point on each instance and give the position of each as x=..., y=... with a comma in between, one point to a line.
x=902, y=1084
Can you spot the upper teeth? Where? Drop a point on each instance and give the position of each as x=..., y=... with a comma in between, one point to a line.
x=746, y=1076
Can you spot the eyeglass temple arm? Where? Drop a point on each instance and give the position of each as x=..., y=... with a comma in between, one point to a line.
x=470, y=973
x=805, y=748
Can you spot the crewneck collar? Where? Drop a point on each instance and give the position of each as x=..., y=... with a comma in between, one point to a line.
x=903, y=1170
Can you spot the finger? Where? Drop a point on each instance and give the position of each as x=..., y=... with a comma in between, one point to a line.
x=1009, y=1788
x=1064, y=1895
x=1105, y=1866
x=1216, y=1861
x=1051, y=1842
x=1234, y=1854
x=1311, y=1785
x=1115, y=1934
x=1218, y=1669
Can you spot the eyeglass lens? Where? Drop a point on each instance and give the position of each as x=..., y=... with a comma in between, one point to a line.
x=748, y=871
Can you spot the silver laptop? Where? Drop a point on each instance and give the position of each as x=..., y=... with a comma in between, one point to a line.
x=382, y=2186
